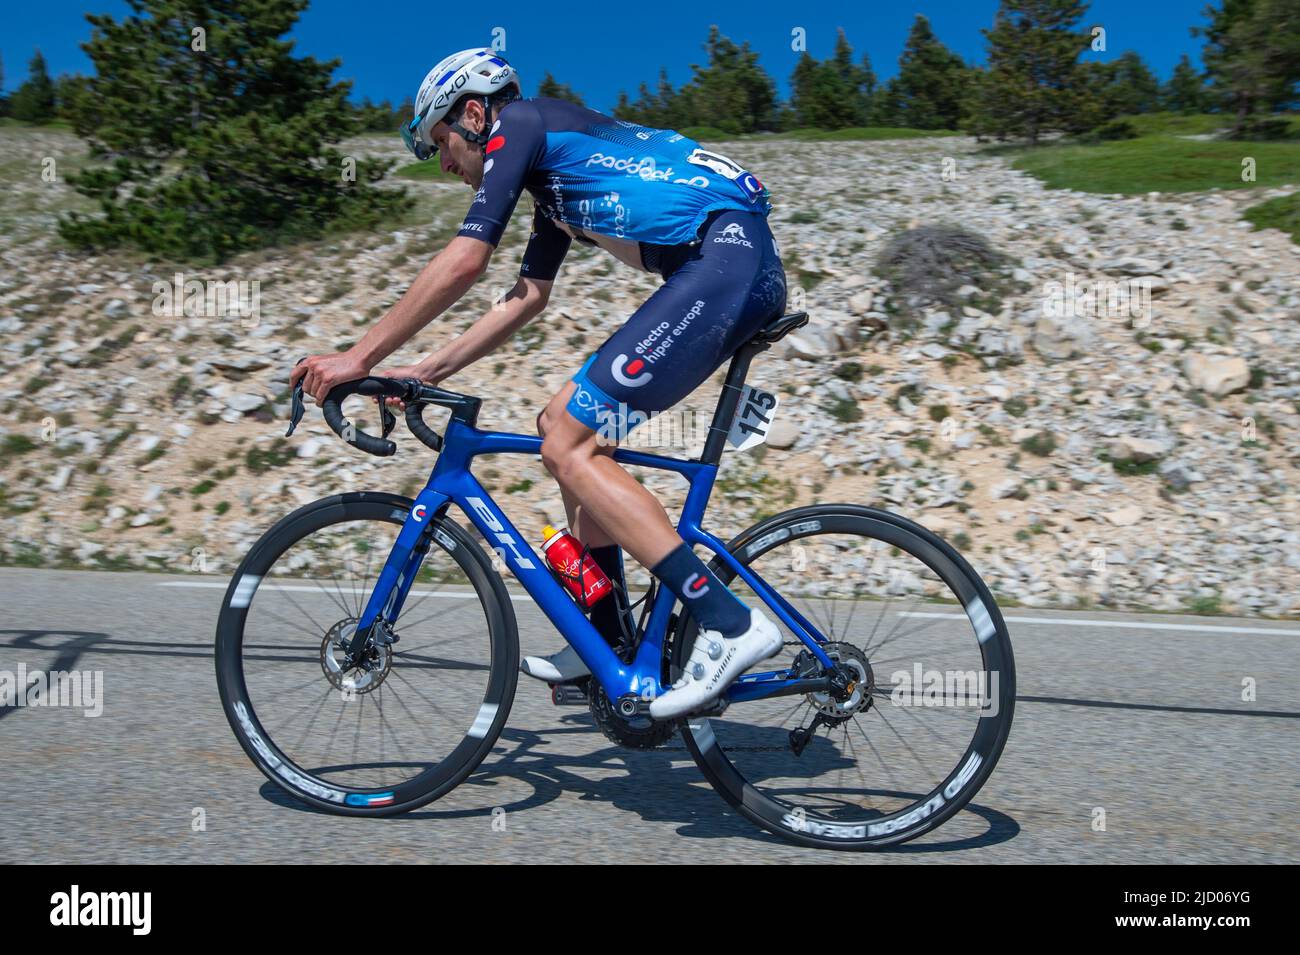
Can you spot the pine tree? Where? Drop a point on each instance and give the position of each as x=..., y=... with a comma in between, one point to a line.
x=887, y=105
x=4, y=100
x=866, y=90
x=834, y=93
x=732, y=92
x=1133, y=87
x=659, y=110
x=1033, y=78
x=805, y=93
x=1252, y=57
x=977, y=109
x=34, y=100
x=554, y=89
x=858, y=84
x=1185, y=92
x=930, y=81
x=219, y=145
x=69, y=91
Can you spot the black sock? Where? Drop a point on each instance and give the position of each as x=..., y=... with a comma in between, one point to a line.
x=605, y=615
x=712, y=605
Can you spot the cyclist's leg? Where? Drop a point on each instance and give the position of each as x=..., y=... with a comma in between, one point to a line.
x=605, y=494
x=605, y=615
x=583, y=526
x=710, y=305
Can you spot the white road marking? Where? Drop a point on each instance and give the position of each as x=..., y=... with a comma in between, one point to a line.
x=1118, y=624
x=298, y=588
x=1056, y=621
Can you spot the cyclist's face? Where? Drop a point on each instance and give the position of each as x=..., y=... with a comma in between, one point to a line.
x=457, y=157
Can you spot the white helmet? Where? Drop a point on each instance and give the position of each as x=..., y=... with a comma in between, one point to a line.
x=474, y=70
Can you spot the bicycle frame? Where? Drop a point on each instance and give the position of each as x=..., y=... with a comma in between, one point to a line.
x=451, y=481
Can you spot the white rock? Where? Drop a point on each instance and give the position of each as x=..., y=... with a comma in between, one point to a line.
x=860, y=304
x=783, y=434
x=244, y=402
x=1125, y=516
x=1128, y=448
x=1216, y=375
x=1004, y=489
x=310, y=448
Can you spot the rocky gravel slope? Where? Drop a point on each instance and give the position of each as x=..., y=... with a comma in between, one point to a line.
x=1139, y=458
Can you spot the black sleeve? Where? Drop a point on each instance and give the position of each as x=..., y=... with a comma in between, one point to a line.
x=514, y=147
x=547, y=247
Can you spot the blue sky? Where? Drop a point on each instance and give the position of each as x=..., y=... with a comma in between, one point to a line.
x=387, y=45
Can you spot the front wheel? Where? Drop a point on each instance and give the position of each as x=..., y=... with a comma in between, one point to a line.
x=424, y=710
x=932, y=697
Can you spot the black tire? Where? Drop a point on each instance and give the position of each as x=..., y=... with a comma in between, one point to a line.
x=920, y=810
x=450, y=546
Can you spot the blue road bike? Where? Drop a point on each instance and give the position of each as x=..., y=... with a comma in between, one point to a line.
x=367, y=651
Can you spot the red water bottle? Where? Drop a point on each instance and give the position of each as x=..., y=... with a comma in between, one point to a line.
x=580, y=572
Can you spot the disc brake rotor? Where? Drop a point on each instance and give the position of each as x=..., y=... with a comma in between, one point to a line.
x=833, y=710
x=366, y=677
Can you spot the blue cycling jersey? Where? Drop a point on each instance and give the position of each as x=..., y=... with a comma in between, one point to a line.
x=600, y=175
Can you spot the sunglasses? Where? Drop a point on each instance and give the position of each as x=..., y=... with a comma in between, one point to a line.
x=414, y=143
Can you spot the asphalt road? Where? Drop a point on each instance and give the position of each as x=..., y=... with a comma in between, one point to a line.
x=1139, y=716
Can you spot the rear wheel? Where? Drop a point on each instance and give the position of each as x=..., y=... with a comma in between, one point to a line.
x=420, y=714
x=932, y=693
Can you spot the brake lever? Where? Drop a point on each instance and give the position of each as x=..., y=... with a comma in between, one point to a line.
x=387, y=420
x=297, y=409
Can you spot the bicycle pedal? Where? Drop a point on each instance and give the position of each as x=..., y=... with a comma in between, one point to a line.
x=569, y=694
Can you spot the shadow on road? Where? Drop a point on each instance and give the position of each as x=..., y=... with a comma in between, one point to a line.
x=644, y=782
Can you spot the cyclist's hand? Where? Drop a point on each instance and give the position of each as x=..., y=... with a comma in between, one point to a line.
x=320, y=373
x=404, y=371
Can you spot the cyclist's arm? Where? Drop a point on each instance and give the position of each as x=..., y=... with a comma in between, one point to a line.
x=516, y=144
x=448, y=276
x=520, y=305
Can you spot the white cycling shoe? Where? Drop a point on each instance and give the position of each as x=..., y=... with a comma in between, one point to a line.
x=715, y=662
x=563, y=667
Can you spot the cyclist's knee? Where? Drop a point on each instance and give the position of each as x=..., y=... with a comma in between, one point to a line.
x=551, y=415
x=557, y=456
x=568, y=447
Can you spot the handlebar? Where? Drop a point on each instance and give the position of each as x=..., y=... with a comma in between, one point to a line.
x=412, y=392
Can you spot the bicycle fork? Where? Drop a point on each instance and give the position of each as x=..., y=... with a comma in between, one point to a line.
x=400, y=570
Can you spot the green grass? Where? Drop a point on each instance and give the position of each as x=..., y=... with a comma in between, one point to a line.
x=864, y=132
x=61, y=124
x=1206, y=606
x=711, y=133
x=1178, y=124
x=1160, y=164
x=15, y=444
x=427, y=171
x=1280, y=213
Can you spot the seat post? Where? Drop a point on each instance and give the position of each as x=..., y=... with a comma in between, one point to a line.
x=725, y=412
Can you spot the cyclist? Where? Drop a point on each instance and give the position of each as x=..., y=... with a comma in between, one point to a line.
x=657, y=202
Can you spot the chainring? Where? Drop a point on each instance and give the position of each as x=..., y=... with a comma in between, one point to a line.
x=640, y=732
